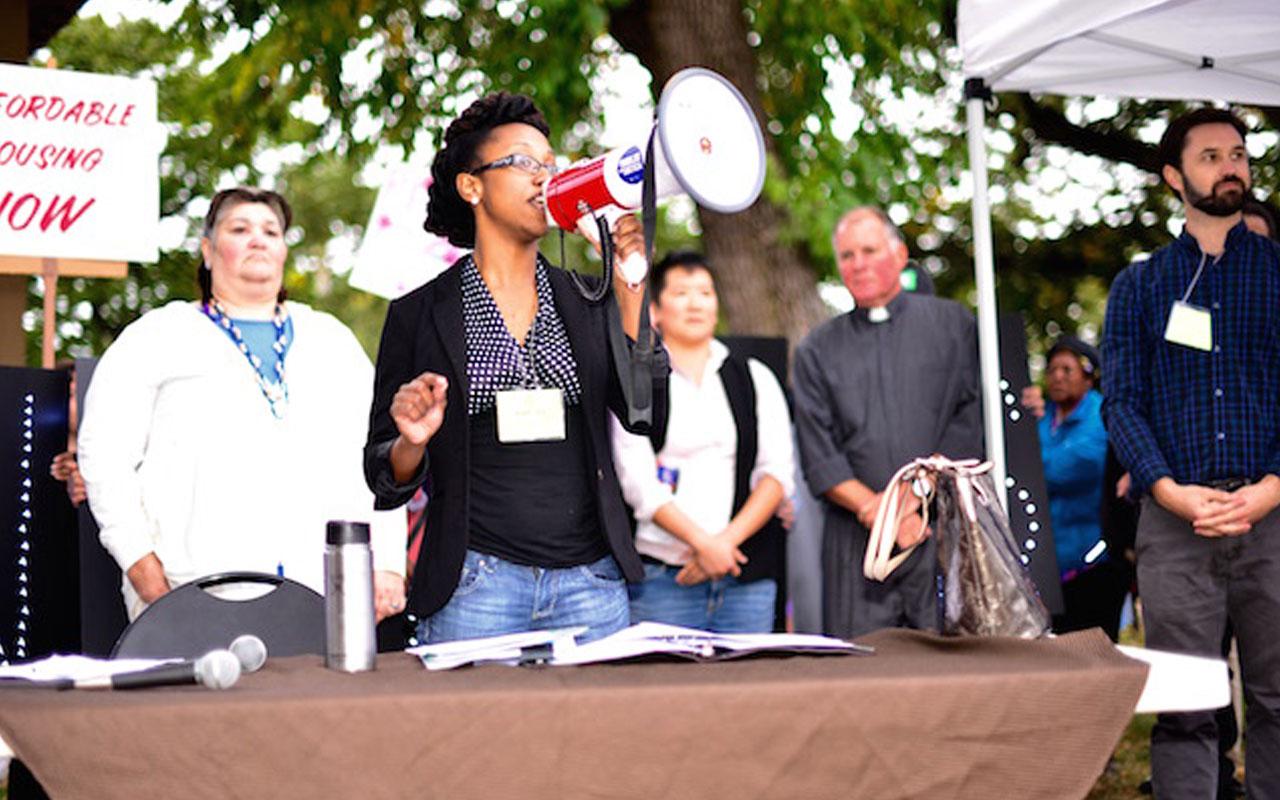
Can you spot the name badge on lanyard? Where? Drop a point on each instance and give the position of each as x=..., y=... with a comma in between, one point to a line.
x=530, y=415
x=1189, y=326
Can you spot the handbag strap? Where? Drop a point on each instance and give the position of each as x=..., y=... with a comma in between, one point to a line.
x=880, y=560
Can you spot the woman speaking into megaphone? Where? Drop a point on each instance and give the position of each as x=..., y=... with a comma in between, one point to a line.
x=493, y=386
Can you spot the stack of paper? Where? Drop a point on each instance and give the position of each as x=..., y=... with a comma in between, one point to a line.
x=647, y=638
x=513, y=648
x=560, y=647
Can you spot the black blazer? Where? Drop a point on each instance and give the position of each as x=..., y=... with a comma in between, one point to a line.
x=424, y=331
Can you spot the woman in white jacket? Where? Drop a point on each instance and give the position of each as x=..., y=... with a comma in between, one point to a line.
x=221, y=435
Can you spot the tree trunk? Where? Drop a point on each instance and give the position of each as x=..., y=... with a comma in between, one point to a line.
x=767, y=287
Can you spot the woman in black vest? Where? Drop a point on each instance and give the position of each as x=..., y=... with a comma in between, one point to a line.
x=495, y=380
x=705, y=491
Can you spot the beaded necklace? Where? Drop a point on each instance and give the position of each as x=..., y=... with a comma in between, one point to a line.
x=277, y=393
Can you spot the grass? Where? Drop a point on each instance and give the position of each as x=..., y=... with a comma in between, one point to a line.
x=1130, y=764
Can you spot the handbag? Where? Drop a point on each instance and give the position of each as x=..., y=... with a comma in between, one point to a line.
x=986, y=590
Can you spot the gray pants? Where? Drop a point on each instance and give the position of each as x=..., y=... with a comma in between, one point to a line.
x=1190, y=585
x=853, y=605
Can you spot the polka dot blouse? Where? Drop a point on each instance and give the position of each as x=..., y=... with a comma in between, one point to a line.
x=496, y=361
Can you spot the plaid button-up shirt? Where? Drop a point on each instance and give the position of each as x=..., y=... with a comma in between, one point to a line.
x=1189, y=414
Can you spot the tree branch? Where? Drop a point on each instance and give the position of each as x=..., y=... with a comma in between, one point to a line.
x=1051, y=125
x=629, y=26
x=1272, y=115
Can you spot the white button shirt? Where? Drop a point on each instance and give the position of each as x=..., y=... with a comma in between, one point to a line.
x=701, y=444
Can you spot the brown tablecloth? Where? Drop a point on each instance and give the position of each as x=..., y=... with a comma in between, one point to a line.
x=924, y=717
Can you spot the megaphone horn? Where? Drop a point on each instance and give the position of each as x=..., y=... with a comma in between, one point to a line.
x=707, y=145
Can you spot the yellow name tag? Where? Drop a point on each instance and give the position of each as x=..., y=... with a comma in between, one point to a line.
x=530, y=415
x=1189, y=326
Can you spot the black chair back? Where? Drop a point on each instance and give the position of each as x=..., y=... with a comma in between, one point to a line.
x=190, y=621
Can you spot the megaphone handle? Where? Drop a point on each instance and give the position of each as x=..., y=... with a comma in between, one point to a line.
x=634, y=267
x=587, y=226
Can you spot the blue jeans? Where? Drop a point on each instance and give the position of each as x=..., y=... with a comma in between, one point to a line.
x=496, y=597
x=725, y=605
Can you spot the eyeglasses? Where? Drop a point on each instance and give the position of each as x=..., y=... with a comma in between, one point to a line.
x=526, y=164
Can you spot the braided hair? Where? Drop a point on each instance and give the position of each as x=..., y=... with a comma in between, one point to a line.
x=448, y=215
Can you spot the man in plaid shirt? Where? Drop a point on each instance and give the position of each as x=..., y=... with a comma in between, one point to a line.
x=1192, y=388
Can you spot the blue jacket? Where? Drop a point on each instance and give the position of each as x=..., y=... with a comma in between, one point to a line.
x=1075, y=456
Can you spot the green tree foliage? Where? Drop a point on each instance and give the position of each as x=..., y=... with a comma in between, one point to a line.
x=860, y=101
x=1055, y=269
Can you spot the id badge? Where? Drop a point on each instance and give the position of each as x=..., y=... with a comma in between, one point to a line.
x=1189, y=326
x=530, y=415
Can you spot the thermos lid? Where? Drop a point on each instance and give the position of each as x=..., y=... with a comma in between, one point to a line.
x=340, y=532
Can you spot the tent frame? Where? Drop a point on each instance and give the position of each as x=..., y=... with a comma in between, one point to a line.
x=977, y=93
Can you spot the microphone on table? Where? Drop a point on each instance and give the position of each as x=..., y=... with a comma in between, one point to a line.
x=250, y=651
x=217, y=669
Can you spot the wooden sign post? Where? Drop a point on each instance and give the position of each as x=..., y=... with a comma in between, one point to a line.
x=50, y=269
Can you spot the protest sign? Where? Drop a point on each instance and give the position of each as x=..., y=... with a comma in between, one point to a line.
x=79, y=165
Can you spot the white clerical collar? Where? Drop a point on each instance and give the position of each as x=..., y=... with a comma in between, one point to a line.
x=878, y=314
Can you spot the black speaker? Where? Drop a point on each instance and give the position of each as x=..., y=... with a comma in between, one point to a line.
x=1028, y=496
x=39, y=552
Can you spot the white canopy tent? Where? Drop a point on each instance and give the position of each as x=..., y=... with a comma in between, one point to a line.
x=1212, y=50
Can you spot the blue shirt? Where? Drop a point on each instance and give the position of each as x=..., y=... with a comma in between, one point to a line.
x=1192, y=415
x=1074, y=453
x=259, y=336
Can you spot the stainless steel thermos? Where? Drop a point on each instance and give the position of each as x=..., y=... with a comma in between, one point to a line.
x=350, y=630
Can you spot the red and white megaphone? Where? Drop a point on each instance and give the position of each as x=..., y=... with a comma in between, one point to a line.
x=708, y=146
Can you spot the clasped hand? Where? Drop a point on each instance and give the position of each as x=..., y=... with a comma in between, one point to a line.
x=713, y=558
x=1214, y=512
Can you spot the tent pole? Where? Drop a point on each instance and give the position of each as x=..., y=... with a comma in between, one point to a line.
x=976, y=95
